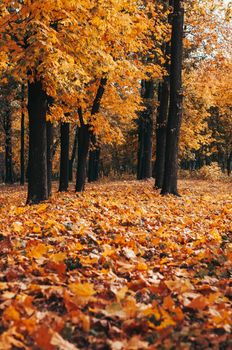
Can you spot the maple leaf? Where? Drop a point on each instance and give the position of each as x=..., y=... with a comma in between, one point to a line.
x=38, y=250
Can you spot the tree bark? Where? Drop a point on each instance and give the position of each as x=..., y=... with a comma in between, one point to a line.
x=94, y=159
x=175, y=107
x=161, y=125
x=140, y=149
x=49, y=130
x=229, y=164
x=8, y=149
x=37, y=163
x=162, y=116
x=84, y=138
x=64, y=157
x=144, y=170
x=73, y=156
x=83, y=149
x=22, y=139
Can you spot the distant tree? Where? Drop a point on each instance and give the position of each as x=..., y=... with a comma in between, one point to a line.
x=145, y=131
x=22, y=138
x=64, y=156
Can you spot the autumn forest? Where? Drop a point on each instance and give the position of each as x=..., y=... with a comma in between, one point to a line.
x=115, y=174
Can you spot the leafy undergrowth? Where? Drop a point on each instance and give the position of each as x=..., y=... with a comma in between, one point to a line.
x=118, y=267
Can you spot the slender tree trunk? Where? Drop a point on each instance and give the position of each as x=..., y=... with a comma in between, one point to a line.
x=162, y=116
x=140, y=149
x=64, y=157
x=147, y=161
x=37, y=163
x=84, y=138
x=161, y=125
x=22, y=139
x=145, y=132
x=94, y=159
x=49, y=155
x=8, y=149
x=83, y=149
x=229, y=164
x=74, y=151
x=175, y=107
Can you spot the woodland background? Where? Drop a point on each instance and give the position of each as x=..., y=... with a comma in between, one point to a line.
x=119, y=129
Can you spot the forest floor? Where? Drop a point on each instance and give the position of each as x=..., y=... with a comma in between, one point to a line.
x=118, y=267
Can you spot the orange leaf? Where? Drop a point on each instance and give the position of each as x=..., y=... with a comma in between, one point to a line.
x=198, y=303
x=42, y=337
x=82, y=289
x=11, y=314
x=168, y=303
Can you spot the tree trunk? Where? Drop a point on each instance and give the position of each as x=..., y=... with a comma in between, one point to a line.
x=162, y=116
x=8, y=149
x=140, y=149
x=229, y=164
x=83, y=149
x=49, y=155
x=161, y=125
x=94, y=159
x=144, y=170
x=74, y=151
x=175, y=107
x=64, y=157
x=22, y=139
x=37, y=162
x=84, y=138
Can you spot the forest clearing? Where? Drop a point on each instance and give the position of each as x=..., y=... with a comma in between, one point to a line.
x=118, y=267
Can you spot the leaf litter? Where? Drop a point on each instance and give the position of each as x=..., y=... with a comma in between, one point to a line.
x=117, y=267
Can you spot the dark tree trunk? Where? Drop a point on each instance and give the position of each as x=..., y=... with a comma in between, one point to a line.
x=84, y=138
x=83, y=149
x=22, y=140
x=175, y=107
x=49, y=155
x=37, y=162
x=161, y=125
x=73, y=156
x=8, y=149
x=64, y=157
x=229, y=164
x=144, y=168
x=140, y=149
x=162, y=116
x=94, y=159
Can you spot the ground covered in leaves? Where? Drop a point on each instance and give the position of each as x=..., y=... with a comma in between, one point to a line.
x=118, y=267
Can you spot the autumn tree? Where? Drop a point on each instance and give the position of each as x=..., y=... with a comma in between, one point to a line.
x=175, y=107
x=64, y=156
x=73, y=154
x=94, y=160
x=145, y=131
x=162, y=112
x=146, y=118
x=41, y=37
x=207, y=59
x=9, y=93
x=84, y=136
x=209, y=102
x=22, y=137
